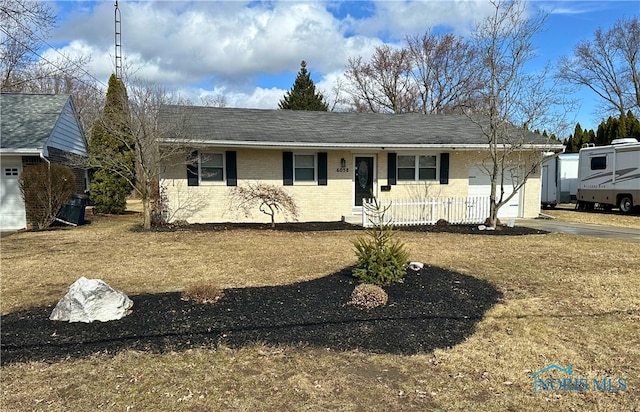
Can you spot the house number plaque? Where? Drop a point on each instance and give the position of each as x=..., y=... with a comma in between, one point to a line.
x=342, y=170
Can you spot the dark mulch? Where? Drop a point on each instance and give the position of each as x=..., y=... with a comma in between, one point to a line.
x=434, y=308
x=332, y=226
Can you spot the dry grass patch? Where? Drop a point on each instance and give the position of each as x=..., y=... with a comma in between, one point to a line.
x=596, y=217
x=567, y=300
x=204, y=293
x=137, y=262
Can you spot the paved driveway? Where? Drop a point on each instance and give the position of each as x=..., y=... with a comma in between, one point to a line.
x=585, y=229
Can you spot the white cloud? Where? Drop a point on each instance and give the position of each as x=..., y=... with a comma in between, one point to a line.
x=202, y=47
x=397, y=19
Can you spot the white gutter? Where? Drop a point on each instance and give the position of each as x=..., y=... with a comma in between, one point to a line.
x=393, y=146
x=23, y=152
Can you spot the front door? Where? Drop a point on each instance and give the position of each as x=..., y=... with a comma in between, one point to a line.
x=363, y=178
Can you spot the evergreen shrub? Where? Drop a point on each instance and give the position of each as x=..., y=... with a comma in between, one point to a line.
x=382, y=258
x=108, y=193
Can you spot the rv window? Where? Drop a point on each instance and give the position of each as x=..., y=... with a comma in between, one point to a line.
x=599, y=163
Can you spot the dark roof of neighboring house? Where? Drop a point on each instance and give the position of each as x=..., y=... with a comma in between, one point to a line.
x=29, y=121
x=297, y=128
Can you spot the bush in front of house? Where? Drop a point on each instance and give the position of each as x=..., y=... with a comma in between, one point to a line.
x=268, y=199
x=45, y=189
x=382, y=259
x=368, y=296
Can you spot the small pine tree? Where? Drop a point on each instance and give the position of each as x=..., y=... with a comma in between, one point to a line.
x=303, y=95
x=382, y=259
x=111, y=151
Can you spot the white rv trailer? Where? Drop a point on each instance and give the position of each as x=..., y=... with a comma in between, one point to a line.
x=609, y=176
x=559, y=179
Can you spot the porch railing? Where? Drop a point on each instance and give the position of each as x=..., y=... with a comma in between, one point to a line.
x=412, y=212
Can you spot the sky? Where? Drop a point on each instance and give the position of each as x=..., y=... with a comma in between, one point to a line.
x=250, y=51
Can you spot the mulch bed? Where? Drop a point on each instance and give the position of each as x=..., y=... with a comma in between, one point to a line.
x=433, y=308
x=332, y=226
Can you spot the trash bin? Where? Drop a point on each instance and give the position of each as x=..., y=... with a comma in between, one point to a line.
x=72, y=213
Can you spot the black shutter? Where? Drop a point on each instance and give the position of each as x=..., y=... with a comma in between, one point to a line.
x=231, y=168
x=391, y=168
x=287, y=168
x=192, y=169
x=444, y=168
x=322, y=168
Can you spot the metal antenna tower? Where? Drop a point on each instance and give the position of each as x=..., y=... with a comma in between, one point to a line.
x=118, y=40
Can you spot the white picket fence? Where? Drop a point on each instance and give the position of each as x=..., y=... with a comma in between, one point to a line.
x=412, y=212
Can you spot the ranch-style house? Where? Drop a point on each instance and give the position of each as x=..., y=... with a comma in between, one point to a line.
x=328, y=162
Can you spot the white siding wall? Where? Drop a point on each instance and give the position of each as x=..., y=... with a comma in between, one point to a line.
x=12, y=210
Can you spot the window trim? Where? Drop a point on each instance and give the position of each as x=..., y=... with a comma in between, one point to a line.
x=315, y=168
x=223, y=167
x=416, y=167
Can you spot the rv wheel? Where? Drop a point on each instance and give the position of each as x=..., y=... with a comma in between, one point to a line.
x=625, y=204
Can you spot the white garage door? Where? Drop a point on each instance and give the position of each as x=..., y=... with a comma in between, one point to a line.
x=480, y=185
x=12, y=213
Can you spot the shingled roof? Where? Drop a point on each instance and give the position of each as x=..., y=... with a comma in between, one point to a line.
x=30, y=122
x=297, y=128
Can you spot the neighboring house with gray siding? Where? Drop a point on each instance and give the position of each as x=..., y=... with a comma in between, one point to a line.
x=35, y=128
x=329, y=161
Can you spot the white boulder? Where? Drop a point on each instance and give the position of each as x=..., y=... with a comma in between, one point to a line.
x=89, y=300
x=417, y=266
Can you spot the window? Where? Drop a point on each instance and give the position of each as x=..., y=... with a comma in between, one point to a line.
x=417, y=167
x=11, y=171
x=599, y=163
x=211, y=167
x=304, y=168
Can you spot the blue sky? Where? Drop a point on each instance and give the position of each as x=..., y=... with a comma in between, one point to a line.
x=250, y=52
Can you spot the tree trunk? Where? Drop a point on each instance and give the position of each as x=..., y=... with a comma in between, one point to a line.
x=493, y=197
x=146, y=210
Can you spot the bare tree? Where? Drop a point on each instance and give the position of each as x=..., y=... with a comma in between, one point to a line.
x=145, y=100
x=445, y=70
x=24, y=25
x=433, y=74
x=217, y=100
x=143, y=139
x=609, y=65
x=384, y=84
x=269, y=199
x=512, y=97
x=338, y=99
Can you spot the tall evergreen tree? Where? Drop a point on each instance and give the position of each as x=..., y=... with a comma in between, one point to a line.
x=615, y=128
x=303, y=94
x=579, y=137
x=111, y=152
